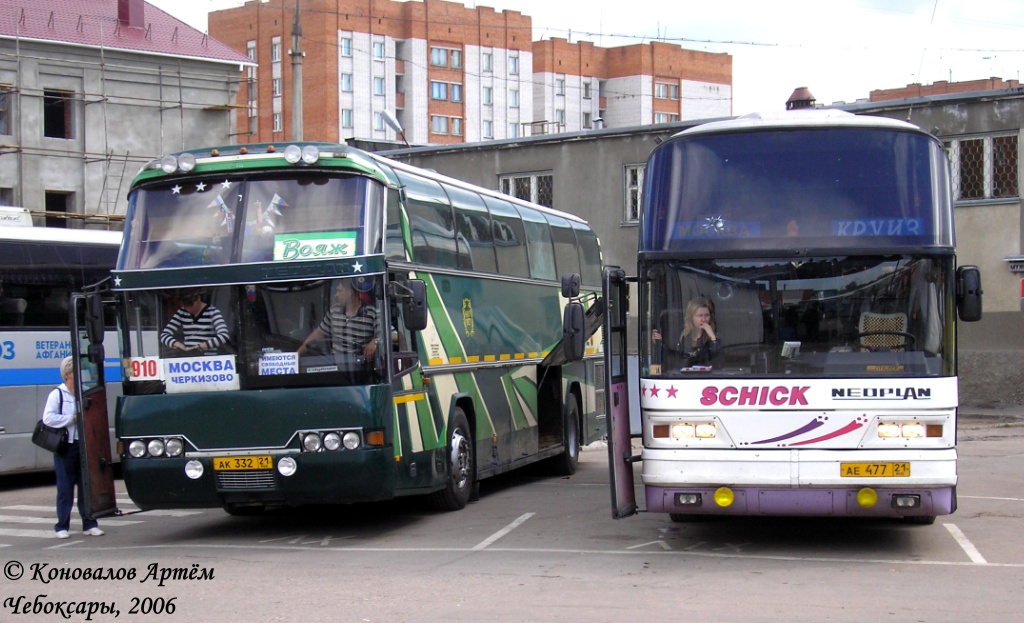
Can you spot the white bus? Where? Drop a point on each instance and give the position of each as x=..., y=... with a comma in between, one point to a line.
x=822, y=245
x=39, y=268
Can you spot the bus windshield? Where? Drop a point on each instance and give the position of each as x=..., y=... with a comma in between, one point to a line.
x=229, y=220
x=877, y=316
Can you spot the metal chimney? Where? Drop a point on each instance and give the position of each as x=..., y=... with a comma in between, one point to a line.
x=801, y=98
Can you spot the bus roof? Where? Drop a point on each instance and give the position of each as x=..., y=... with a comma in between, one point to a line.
x=60, y=235
x=796, y=119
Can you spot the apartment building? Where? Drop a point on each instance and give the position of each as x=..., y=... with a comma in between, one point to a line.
x=578, y=86
x=452, y=74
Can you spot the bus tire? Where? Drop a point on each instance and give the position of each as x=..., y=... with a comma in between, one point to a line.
x=567, y=462
x=920, y=520
x=461, y=473
x=239, y=510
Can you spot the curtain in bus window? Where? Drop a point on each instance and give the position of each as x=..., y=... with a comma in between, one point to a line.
x=509, y=238
x=431, y=224
x=183, y=223
x=538, y=243
x=473, y=230
x=567, y=260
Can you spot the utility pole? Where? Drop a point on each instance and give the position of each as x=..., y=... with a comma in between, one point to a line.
x=296, y=54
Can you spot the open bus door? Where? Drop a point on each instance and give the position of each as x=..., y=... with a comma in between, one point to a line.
x=87, y=324
x=620, y=450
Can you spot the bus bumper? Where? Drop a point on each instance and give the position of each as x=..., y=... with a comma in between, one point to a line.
x=319, y=478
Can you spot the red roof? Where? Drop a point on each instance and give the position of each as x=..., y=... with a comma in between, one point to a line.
x=94, y=23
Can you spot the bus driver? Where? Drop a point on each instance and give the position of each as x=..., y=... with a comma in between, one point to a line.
x=698, y=343
x=351, y=326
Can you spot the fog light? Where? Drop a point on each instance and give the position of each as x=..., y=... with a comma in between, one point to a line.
x=867, y=498
x=137, y=448
x=155, y=447
x=906, y=501
x=310, y=154
x=351, y=440
x=186, y=162
x=173, y=447
x=168, y=164
x=311, y=442
x=193, y=469
x=724, y=497
x=688, y=499
x=287, y=466
x=292, y=154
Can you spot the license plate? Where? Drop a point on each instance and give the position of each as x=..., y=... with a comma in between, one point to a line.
x=237, y=463
x=875, y=470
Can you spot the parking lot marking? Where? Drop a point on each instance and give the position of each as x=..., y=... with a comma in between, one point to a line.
x=965, y=544
x=500, y=533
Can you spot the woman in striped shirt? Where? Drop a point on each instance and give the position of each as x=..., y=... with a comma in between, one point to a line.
x=196, y=326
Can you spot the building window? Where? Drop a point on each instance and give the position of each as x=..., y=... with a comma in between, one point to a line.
x=438, y=124
x=276, y=83
x=513, y=65
x=559, y=86
x=586, y=90
x=345, y=46
x=535, y=187
x=663, y=117
x=634, y=185
x=275, y=49
x=456, y=123
x=278, y=122
x=455, y=57
x=346, y=118
x=378, y=121
x=488, y=129
x=346, y=83
x=487, y=62
x=513, y=98
x=378, y=85
x=439, y=57
x=6, y=98
x=588, y=121
x=378, y=50
x=985, y=167
x=513, y=130
x=456, y=92
x=488, y=96
x=57, y=114
x=438, y=90
x=560, y=119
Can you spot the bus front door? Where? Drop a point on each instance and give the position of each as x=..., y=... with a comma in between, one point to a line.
x=87, y=325
x=620, y=449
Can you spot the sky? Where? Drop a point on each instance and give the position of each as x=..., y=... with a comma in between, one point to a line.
x=840, y=49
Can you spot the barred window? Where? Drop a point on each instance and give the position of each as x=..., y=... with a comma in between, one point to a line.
x=538, y=188
x=634, y=186
x=984, y=167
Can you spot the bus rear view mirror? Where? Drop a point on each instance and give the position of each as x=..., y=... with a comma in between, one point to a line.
x=94, y=318
x=573, y=332
x=968, y=293
x=416, y=305
x=571, y=285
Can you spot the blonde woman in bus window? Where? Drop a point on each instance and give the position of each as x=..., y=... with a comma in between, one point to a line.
x=698, y=342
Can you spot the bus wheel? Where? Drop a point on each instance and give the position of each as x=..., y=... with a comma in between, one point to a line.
x=567, y=462
x=460, y=484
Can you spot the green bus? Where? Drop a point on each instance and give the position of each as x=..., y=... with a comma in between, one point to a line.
x=320, y=324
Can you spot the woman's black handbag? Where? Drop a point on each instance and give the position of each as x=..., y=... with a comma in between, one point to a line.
x=49, y=438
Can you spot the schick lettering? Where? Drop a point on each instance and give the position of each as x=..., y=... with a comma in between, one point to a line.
x=754, y=396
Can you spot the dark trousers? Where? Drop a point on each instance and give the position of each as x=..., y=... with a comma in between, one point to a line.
x=69, y=476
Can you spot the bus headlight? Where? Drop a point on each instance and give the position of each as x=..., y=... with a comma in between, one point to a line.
x=706, y=431
x=137, y=448
x=332, y=441
x=352, y=440
x=155, y=447
x=888, y=431
x=311, y=442
x=683, y=431
x=174, y=446
x=914, y=430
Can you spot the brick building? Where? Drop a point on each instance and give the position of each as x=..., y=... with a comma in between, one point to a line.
x=452, y=74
